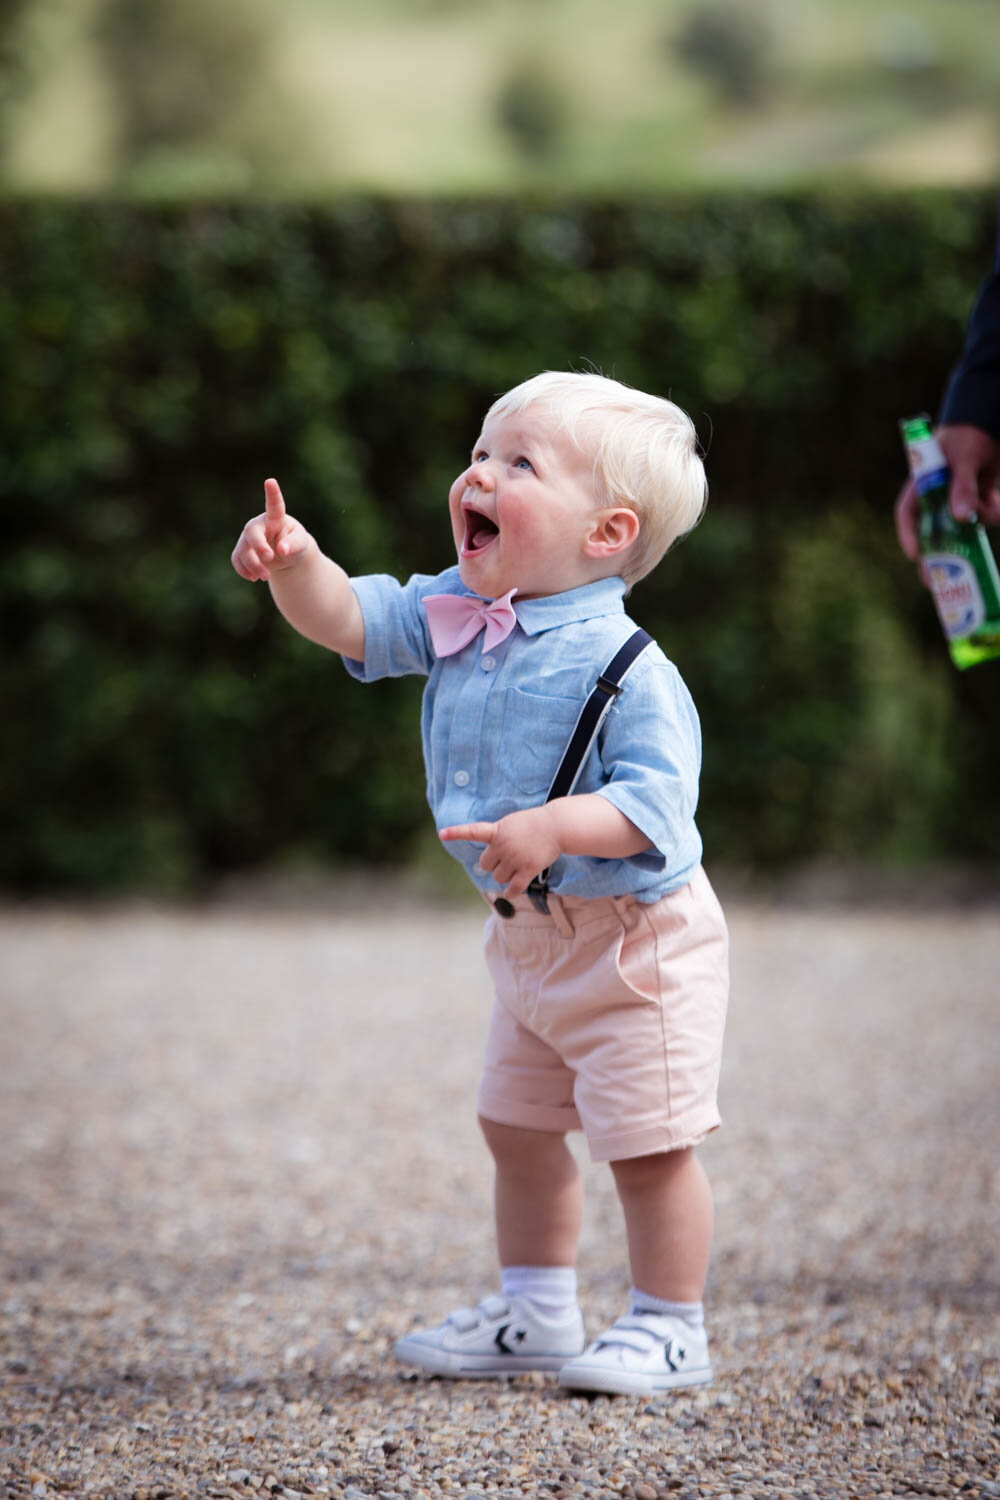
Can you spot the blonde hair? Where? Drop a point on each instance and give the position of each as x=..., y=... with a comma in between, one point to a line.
x=646, y=455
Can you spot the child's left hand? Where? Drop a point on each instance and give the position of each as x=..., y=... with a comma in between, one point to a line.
x=518, y=847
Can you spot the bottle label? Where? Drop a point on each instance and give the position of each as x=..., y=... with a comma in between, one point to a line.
x=932, y=479
x=928, y=464
x=957, y=594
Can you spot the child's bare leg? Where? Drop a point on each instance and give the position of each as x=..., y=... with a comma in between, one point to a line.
x=660, y=1344
x=538, y=1196
x=668, y=1209
x=535, y=1323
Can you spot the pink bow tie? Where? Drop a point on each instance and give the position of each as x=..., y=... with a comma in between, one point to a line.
x=456, y=619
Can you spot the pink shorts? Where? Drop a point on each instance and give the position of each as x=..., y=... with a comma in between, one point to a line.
x=608, y=1018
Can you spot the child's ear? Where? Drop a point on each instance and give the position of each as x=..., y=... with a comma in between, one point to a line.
x=612, y=532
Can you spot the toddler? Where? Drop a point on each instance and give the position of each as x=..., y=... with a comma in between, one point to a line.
x=610, y=976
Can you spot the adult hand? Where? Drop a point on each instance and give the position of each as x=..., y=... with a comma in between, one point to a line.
x=270, y=542
x=974, y=459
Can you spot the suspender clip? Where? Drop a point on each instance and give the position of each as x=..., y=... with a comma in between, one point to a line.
x=538, y=892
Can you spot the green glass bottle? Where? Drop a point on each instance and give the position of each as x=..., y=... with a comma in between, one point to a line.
x=958, y=561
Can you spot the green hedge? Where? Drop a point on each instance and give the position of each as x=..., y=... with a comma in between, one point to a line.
x=163, y=726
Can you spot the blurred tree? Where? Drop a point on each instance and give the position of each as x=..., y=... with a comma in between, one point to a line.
x=531, y=110
x=179, y=69
x=728, y=43
x=161, y=359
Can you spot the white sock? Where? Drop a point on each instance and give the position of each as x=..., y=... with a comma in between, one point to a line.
x=549, y=1290
x=691, y=1313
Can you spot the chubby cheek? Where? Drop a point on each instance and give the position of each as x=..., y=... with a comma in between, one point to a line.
x=455, y=511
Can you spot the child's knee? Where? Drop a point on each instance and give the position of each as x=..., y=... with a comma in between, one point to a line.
x=638, y=1172
x=514, y=1146
x=503, y=1140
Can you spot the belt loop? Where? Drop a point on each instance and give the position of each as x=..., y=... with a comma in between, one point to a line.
x=560, y=916
x=625, y=910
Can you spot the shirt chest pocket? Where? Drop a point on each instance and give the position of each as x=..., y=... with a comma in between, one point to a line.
x=536, y=731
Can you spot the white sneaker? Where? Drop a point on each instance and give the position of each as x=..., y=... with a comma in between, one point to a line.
x=640, y=1355
x=502, y=1336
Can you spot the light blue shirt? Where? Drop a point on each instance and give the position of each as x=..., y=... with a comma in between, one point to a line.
x=495, y=725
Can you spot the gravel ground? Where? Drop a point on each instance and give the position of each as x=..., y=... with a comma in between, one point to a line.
x=240, y=1157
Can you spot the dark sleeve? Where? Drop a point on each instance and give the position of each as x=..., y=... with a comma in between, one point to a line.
x=973, y=393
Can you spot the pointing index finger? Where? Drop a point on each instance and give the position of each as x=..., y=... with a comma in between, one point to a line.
x=274, y=502
x=476, y=833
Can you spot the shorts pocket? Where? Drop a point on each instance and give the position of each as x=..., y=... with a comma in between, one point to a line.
x=637, y=957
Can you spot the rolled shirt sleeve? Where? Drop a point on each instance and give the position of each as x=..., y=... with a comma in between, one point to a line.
x=650, y=750
x=397, y=640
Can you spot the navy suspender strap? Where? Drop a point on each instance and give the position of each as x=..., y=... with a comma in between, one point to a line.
x=592, y=716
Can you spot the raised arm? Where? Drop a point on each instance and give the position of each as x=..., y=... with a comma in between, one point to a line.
x=311, y=590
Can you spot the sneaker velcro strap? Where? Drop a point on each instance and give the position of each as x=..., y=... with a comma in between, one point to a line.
x=465, y=1319
x=494, y=1306
x=631, y=1333
x=656, y=1327
x=623, y=1337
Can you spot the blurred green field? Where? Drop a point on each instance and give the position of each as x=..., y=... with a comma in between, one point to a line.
x=508, y=95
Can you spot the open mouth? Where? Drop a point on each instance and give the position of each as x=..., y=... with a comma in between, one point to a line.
x=479, y=532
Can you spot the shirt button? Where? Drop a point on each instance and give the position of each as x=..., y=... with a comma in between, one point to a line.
x=488, y=663
x=461, y=778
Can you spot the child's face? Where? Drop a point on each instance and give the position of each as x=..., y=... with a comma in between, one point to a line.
x=522, y=512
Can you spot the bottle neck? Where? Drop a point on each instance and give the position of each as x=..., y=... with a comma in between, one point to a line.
x=928, y=464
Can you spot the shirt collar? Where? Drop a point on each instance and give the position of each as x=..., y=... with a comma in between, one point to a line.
x=605, y=596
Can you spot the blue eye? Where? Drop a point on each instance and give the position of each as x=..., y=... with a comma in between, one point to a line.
x=524, y=463
x=477, y=458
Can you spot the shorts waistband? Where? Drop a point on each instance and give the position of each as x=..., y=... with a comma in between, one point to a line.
x=566, y=913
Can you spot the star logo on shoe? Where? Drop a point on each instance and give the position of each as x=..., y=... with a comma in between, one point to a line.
x=520, y=1335
x=674, y=1352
